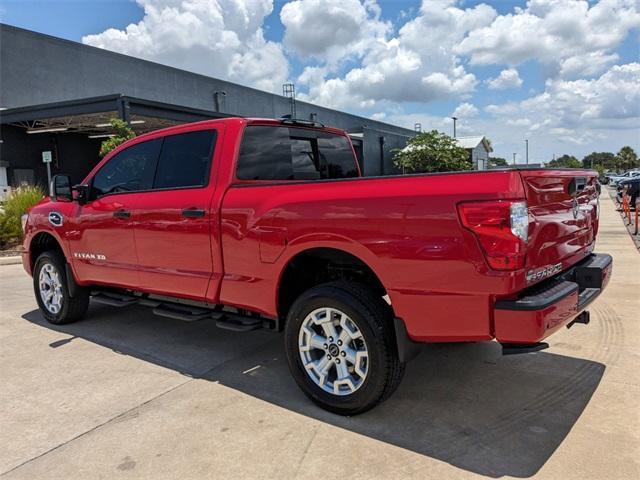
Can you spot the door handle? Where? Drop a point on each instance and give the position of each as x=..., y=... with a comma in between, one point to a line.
x=122, y=214
x=192, y=213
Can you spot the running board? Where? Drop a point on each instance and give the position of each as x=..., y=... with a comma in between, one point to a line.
x=238, y=323
x=114, y=299
x=183, y=313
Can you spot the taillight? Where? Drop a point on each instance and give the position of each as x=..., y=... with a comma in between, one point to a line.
x=502, y=227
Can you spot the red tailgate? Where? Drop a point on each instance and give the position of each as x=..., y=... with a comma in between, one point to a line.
x=563, y=209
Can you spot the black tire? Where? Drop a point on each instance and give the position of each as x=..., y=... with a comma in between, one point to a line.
x=71, y=308
x=374, y=319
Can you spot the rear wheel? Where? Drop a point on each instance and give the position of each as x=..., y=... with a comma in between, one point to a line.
x=52, y=291
x=341, y=347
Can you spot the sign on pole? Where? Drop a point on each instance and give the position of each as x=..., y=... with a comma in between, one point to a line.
x=46, y=158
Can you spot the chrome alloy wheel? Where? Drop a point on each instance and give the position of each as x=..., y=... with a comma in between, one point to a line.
x=50, y=286
x=333, y=351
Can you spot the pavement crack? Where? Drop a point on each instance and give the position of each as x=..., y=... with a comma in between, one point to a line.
x=306, y=450
x=96, y=427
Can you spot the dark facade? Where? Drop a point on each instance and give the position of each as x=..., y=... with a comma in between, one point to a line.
x=37, y=71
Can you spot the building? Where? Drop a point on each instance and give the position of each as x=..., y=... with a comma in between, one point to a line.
x=58, y=96
x=479, y=149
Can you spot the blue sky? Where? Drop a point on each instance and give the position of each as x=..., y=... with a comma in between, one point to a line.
x=562, y=74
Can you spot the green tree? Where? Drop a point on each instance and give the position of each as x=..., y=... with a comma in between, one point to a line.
x=432, y=152
x=122, y=132
x=565, y=161
x=627, y=158
x=606, y=160
x=498, y=162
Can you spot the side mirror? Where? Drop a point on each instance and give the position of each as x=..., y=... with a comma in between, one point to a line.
x=61, y=188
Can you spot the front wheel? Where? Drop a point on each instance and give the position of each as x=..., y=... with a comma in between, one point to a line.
x=52, y=292
x=341, y=347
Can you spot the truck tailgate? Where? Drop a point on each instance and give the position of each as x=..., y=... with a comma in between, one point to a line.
x=563, y=209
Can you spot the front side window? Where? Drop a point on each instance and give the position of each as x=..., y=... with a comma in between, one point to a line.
x=185, y=159
x=283, y=153
x=131, y=170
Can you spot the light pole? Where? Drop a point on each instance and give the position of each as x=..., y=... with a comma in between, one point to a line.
x=526, y=142
x=454, y=126
x=514, y=158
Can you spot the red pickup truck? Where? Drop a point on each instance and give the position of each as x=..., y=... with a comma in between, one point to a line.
x=256, y=223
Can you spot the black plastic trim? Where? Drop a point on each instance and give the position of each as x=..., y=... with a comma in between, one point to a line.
x=514, y=349
x=543, y=298
x=586, y=277
x=407, y=348
x=193, y=213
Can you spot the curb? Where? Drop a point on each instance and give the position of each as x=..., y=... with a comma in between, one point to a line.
x=10, y=260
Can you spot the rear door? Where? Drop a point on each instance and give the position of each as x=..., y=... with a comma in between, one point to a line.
x=563, y=205
x=175, y=227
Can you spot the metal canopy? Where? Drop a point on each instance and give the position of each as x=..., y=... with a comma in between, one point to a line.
x=91, y=116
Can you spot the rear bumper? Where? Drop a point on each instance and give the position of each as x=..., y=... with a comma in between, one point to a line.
x=538, y=313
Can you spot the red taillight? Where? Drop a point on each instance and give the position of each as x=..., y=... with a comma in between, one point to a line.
x=498, y=226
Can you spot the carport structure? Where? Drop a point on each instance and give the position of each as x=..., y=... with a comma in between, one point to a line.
x=73, y=130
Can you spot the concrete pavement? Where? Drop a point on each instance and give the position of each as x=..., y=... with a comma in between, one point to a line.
x=126, y=394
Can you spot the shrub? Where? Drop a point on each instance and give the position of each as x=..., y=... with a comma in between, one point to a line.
x=16, y=205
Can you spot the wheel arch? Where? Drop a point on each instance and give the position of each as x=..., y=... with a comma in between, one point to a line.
x=313, y=265
x=42, y=242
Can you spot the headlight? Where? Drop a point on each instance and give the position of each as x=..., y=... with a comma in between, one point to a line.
x=23, y=221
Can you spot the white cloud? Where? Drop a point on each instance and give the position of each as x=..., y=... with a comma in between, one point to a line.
x=562, y=34
x=508, y=78
x=465, y=110
x=221, y=38
x=577, y=112
x=331, y=29
x=417, y=65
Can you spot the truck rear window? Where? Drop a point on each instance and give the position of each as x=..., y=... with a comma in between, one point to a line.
x=283, y=153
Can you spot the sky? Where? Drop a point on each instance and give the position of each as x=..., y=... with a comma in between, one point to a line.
x=564, y=74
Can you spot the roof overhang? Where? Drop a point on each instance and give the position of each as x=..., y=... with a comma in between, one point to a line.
x=92, y=115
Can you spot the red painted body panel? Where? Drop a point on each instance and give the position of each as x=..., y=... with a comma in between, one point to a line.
x=405, y=228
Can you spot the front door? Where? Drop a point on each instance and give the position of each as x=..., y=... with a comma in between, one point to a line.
x=175, y=226
x=102, y=242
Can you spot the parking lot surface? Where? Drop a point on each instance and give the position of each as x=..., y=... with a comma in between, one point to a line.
x=126, y=394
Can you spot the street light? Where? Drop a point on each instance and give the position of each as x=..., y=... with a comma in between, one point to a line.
x=454, y=126
x=526, y=142
x=514, y=158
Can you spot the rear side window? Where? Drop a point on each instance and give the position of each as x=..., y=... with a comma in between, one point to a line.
x=265, y=154
x=185, y=160
x=282, y=153
x=131, y=170
x=338, y=156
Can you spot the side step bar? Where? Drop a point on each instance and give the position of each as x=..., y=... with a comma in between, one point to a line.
x=514, y=348
x=238, y=323
x=183, y=311
x=114, y=299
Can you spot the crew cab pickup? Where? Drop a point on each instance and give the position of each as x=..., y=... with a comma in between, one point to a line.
x=256, y=223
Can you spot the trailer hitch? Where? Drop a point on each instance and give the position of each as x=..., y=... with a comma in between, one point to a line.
x=584, y=318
